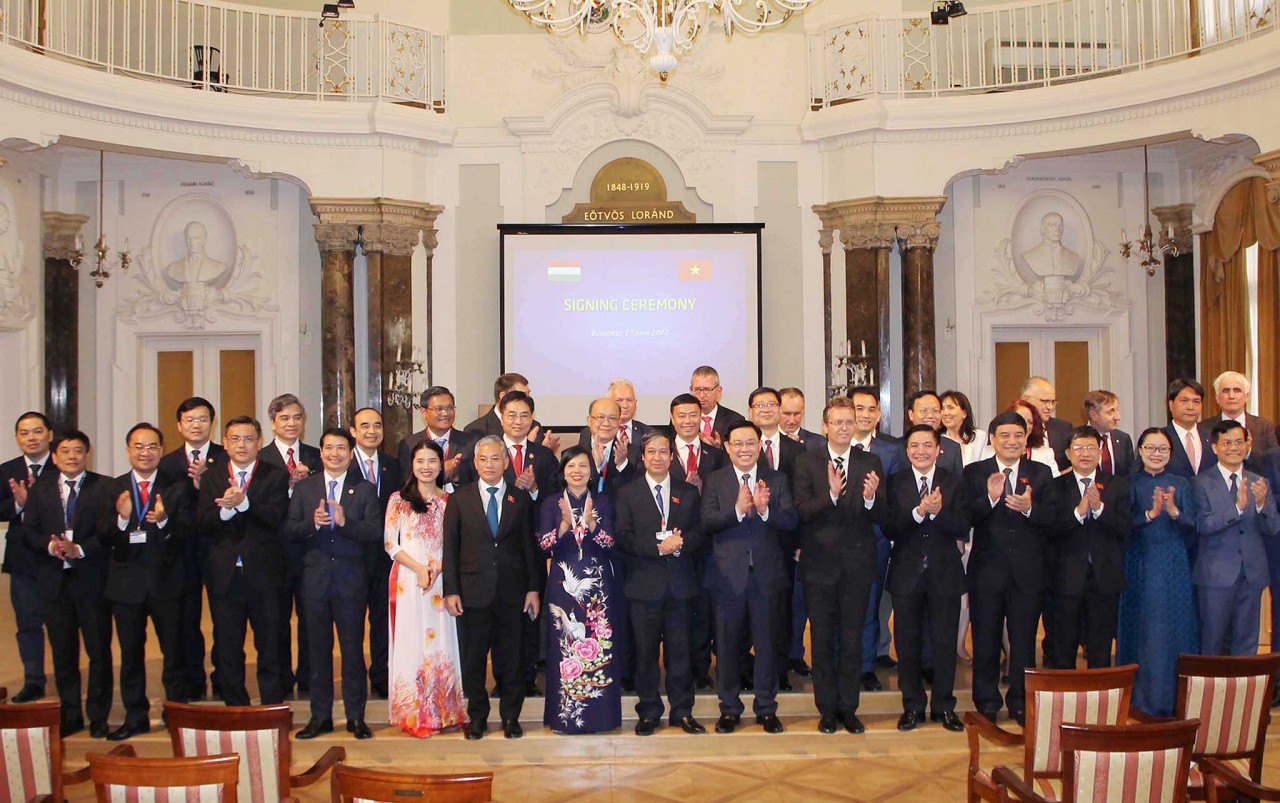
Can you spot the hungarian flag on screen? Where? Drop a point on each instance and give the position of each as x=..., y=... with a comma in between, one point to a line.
x=695, y=270
x=564, y=272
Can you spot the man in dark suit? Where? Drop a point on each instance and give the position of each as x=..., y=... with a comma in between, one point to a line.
x=630, y=431
x=439, y=411
x=1231, y=391
x=1044, y=397
x=288, y=419
x=193, y=457
x=1093, y=526
x=1271, y=473
x=793, y=419
x=491, y=422
x=839, y=497
x=335, y=515
x=144, y=576
x=614, y=463
x=62, y=519
x=747, y=510
x=33, y=434
x=928, y=523
x=492, y=579
x=1191, y=448
x=925, y=407
x=240, y=511
x=1235, y=516
x=1102, y=412
x=383, y=472
x=715, y=420
x=659, y=530
x=1012, y=509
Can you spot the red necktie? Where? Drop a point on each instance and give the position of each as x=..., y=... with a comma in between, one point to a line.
x=706, y=426
x=768, y=452
x=289, y=462
x=517, y=462
x=1106, y=454
x=144, y=493
x=691, y=463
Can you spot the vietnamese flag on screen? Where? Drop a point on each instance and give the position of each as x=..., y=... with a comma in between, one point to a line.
x=695, y=270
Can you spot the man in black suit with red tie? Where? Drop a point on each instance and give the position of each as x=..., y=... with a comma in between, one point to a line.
x=840, y=498
x=1013, y=512
x=714, y=420
x=63, y=528
x=439, y=411
x=928, y=523
x=1090, y=537
x=658, y=530
x=492, y=579
x=193, y=457
x=33, y=434
x=1102, y=412
x=240, y=511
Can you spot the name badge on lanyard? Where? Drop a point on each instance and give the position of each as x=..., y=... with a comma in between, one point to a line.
x=139, y=535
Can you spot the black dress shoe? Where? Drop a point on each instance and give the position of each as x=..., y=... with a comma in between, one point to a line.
x=784, y=682
x=359, y=729
x=28, y=694
x=703, y=682
x=1019, y=717
x=870, y=682
x=99, y=729
x=949, y=720
x=691, y=725
x=511, y=729
x=909, y=720
x=853, y=724
x=828, y=724
x=727, y=723
x=646, y=727
x=128, y=729
x=770, y=722
x=314, y=728
x=885, y=662
x=70, y=727
x=476, y=729
x=801, y=668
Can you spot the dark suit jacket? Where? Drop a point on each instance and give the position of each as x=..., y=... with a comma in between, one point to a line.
x=1231, y=542
x=1271, y=468
x=307, y=455
x=1059, y=436
x=459, y=440
x=546, y=469
x=637, y=437
x=1008, y=546
x=254, y=536
x=331, y=562
x=1261, y=431
x=1179, y=463
x=736, y=545
x=180, y=500
x=614, y=477
x=649, y=575
x=788, y=452
x=1101, y=539
x=154, y=568
x=1123, y=459
x=44, y=518
x=925, y=557
x=837, y=539
x=490, y=424
x=484, y=570
x=812, y=441
x=390, y=476
x=724, y=419
x=710, y=459
x=18, y=557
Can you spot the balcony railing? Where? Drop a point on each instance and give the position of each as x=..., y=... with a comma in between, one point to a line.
x=1022, y=45
x=224, y=47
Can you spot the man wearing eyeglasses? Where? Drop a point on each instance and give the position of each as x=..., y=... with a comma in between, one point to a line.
x=612, y=465
x=1093, y=523
x=439, y=411
x=144, y=577
x=714, y=419
x=1041, y=394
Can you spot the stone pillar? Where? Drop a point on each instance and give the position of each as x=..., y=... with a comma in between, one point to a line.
x=61, y=315
x=337, y=322
x=867, y=314
x=917, y=239
x=825, y=240
x=1179, y=292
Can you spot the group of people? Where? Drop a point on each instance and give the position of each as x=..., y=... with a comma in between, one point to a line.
x=503, y=545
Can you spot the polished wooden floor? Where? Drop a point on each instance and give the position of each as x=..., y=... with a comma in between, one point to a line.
x=882, y=765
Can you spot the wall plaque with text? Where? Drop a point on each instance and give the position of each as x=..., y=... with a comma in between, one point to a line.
x=630, y=191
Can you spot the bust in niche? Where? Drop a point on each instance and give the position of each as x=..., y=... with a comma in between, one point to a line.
x=1050, y=258
x=196, y=274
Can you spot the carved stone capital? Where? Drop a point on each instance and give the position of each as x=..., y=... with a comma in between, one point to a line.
x=336, y=237
x=919, y=234
x=877, y=222
x=390, y=238
x=825, y=239
x=1270, y=161
x=1178, y=218
x=867, y=234
x=59, y=232
x=388, y=223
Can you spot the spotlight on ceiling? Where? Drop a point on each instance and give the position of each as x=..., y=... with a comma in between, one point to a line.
x=954, y=9
x=329, y=11
x=346, y=4
x=939, y=15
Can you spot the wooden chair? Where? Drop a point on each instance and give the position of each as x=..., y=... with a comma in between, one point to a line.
x=258, y=734
x=1054, y=697
x=1120, y=763
x=31, y=753
x=356, y=785
x=209, y=779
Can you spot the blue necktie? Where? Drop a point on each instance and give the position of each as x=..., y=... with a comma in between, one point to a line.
x=443, y=443
x=333, y=487
x=491, y=512
x=657, y=489
x=242, y=475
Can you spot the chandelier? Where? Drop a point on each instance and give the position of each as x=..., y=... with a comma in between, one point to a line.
x=1146, y=247
x=100, y=273
x=664, y=28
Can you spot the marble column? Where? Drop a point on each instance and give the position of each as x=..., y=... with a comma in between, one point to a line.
x=61, y=315
x=867, y=315
x=337, y=322
x=826, y=239
x=1179, y=292
x=917, y=240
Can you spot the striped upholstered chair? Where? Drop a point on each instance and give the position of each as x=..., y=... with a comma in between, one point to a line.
x=1054, y=697
x=356, y=785
x=125, y=779
x=1117, y=764
x=258, y=734
x=31, y=754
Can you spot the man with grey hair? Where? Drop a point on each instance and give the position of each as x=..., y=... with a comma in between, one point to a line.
x=1231, y=390
x=1040, y=393
x=630, y=431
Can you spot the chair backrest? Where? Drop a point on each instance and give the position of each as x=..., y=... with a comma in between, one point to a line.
x=1056, y=697
x=1129, y=763
x=30, y=751
x=356, y=785
x=1231, y=696
x=259, y=734
x=210, y=779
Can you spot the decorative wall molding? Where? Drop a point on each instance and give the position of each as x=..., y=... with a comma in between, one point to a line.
x=59, y=232
x=877, y=222
x=390, y=226
x=1270, y=162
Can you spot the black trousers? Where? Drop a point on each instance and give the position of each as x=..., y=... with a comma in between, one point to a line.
x=990, y=610
x=662, y=623
x=702, y=625
x=233, y=613
x=72, y=615
x=940, y=614
x=783, y=625
x=292, y=610
x=29, y=614
x=623, y=649
x=377, y=569
x=749, y=618
x=191, y=616
x=324, y=614
x=1100, y=611
x=496, y=630
x=131, y=631
x=837, y=614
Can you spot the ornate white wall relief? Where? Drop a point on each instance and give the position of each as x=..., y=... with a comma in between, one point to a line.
x=15, y=304
x=195, y=268
x=1051, y=262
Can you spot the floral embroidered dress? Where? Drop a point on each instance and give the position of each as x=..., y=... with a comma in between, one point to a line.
x=425, y=675
x=583, y=692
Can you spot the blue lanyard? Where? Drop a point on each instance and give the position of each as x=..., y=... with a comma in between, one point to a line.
x=137, y=498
